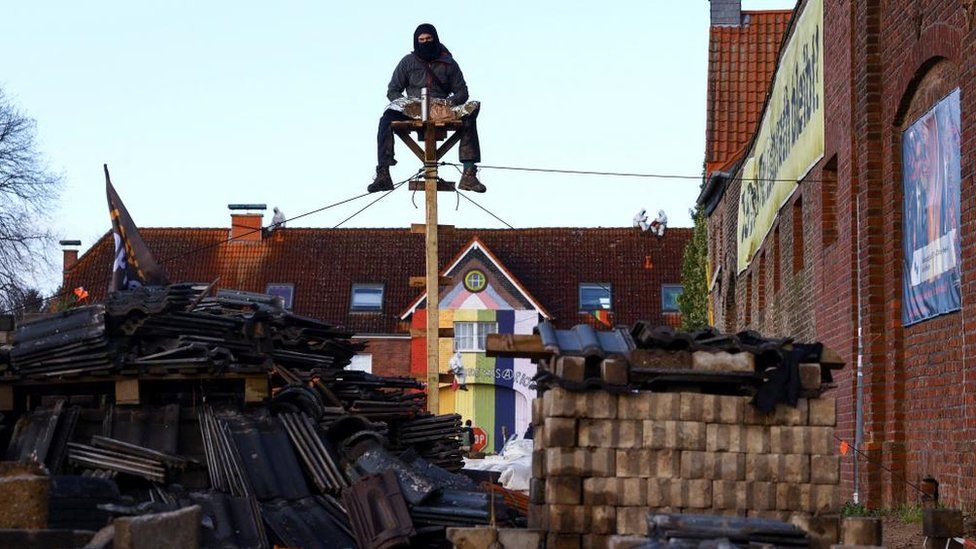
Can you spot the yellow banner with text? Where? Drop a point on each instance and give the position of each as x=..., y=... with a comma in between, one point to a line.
x=790, y=138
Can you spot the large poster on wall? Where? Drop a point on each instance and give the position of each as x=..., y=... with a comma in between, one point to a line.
x=931, y=175
x=790, y=138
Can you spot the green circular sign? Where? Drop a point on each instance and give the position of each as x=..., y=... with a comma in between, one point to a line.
x=475, y=280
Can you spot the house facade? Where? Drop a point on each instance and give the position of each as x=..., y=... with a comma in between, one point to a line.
x=866, y=242
x=502, y=280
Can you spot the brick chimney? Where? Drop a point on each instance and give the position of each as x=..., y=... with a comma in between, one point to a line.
x=70, y=253
x=246, y=221
x=726, y=13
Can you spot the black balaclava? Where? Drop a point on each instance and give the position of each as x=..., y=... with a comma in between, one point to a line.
x=428, y=51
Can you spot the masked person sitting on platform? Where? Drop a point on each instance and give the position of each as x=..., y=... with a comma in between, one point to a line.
x=430, y=65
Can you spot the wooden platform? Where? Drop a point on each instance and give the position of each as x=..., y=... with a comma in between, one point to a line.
x=516, y=346
x=418, y=125
x=127, y=386
x=442, y=186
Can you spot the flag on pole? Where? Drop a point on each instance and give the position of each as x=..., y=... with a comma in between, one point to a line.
x=133, y=264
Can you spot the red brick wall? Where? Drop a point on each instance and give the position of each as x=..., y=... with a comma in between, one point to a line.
x=885, y=63
x=924, y=413
x=391, y=357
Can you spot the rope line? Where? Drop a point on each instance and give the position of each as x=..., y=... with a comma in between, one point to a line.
x=613, y=174
x=272, y=226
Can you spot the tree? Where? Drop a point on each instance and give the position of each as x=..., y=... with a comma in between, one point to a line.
x=24, y=302
x=693, y=301
x=28, y=190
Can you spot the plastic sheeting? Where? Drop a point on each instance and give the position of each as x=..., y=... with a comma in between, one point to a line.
x=441, y=110
x=514, y=464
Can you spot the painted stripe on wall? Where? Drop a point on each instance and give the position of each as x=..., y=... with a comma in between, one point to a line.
x=504, y=414
x=484, y=410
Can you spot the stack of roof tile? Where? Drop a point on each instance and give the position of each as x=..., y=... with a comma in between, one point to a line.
x=263, y=474
x=660, y=358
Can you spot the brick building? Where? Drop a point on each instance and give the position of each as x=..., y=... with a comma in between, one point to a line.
x=502, y=281
x=827, y=259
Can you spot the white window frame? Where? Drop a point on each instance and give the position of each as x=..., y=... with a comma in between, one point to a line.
x=470, y=336
x=366, y=308
x=596, y=286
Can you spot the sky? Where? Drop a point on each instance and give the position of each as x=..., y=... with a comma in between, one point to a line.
x=195, y=105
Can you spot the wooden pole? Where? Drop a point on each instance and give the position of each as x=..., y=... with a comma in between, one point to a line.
x=433, y=273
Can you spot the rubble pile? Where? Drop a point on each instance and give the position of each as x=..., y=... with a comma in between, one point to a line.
x=165, y=398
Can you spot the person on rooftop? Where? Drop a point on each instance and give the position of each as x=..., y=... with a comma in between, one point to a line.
x=430, y=65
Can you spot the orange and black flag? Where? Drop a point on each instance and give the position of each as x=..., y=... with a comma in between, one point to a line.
x=133, y=264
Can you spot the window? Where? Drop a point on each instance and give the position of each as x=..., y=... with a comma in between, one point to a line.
x=798, y=235
x=748, y=307
x=828, y=189
x=669, y=297
x=761, y=282
x=777, y=260
x=285, y=291
x=475, y=281
x=594, y=296
x=367, y=297
x=362, y=363
x=470, y=336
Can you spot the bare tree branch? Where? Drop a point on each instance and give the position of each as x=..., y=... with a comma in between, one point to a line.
x=28, y=190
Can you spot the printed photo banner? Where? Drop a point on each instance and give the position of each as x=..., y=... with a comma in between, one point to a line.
x=790, y=138
x=931, y=174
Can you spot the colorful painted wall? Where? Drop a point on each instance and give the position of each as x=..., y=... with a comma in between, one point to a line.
x=498, y=391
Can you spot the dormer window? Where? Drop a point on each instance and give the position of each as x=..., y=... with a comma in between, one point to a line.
x=285, y=291
x=594, y=296
x=367, y=297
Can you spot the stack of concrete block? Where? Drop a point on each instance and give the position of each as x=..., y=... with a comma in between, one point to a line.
x=25, y=490
x=602, y=461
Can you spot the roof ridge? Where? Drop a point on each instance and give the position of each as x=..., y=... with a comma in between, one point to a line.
x=401, y=229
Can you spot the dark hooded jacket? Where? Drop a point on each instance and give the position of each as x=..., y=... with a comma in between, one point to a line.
x=443, y=80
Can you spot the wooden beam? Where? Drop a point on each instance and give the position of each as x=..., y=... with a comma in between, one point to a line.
x=404, y=136
x=442, y=185
x=420, y=281
x=515, y=346
x=432, y=269
x=441, y=332
x=420, y=228
x=6, y=397
x=407, y=125
x=451, y=141
x=256, y=388
x=127, y=391
x=446, y=377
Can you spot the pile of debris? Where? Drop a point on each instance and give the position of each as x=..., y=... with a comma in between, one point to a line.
x=688, y=530
x=307, y=454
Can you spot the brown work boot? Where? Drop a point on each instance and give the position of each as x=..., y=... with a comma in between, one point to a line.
x=382, y=181
x=469, y=181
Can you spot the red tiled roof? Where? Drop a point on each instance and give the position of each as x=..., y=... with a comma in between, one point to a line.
x=741, y=64
x=323, y=264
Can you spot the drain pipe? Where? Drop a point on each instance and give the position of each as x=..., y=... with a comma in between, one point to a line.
x=859, y=376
